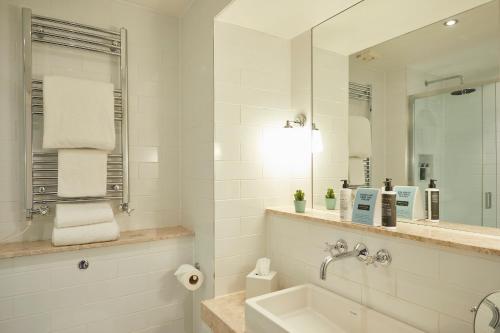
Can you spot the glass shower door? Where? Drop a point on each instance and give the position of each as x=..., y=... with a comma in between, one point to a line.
x=455, y=143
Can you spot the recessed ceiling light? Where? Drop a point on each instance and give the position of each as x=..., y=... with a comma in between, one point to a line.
x=451, y=22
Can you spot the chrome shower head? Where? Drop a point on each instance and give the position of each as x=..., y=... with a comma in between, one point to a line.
x=464, y=91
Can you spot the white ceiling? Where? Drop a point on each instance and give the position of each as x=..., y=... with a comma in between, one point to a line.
x=470, y=48
x=170, y=7
x=282, y=18
x=372, y=22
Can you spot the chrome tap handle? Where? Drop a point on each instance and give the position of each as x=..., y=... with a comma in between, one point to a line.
x=126, y=208
x=362, y=252
x=43, y=210
x=383, y=257
x=340, y=247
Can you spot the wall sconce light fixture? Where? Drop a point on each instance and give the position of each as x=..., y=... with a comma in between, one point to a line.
x=300, y=120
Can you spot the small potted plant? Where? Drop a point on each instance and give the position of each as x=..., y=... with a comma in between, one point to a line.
x=300, y=203
x=330, y=199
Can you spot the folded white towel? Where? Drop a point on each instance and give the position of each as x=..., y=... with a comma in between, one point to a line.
x=356, y=171
x=78, y=113
x=92, y=233
x=73, y=215
x=82, y=173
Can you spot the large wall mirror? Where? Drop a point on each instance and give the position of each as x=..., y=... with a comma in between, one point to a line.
x=411, y=93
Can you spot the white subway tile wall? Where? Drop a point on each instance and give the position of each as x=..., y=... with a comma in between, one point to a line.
x=125, y=289
x=196, y=31
x=153, y=111
x=428, y=287
x=331, y=111
x=257, y=162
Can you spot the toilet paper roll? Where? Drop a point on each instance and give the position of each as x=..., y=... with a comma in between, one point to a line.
x=190, y=277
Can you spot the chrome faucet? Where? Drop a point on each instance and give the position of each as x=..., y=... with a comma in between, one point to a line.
x=382, y=257
x=360, y=251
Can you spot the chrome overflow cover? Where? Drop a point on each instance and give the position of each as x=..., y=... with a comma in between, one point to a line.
x=83, y=264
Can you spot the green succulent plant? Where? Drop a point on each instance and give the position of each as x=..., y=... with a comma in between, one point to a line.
x=330, y=193
x=299, y=195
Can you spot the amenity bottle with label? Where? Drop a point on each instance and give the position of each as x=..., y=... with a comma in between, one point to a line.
x=389, y=213
x=432, y=202
x=345, y=202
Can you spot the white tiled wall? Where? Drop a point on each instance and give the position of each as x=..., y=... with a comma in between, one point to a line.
x=125, y=289
x=331, y=111
x=396, y=126
x=428, y=287
x=197, y=138
x=153, y=81
x=257, y=162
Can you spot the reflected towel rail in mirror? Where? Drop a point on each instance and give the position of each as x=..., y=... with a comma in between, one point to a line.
x=361, y=92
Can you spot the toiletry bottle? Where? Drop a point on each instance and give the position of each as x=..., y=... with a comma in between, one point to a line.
x=432, y=202
x=389, y=215
x=345, y=202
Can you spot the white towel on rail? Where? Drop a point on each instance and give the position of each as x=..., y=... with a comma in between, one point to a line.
x=360, y=137
x=92, y=233
x=73, y=215
x=82, y=173
x=78, y=113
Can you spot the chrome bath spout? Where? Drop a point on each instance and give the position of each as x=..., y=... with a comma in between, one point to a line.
x=359, y=251
x=324, y=266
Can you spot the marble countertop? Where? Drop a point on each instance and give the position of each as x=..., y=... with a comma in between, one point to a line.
x=225, y=314
x=21, y=249
x=458, y=236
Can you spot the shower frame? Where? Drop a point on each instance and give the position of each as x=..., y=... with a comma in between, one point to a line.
x=409, y=159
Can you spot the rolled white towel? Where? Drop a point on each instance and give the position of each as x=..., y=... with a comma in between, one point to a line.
x=92, y=233
x=73, y=215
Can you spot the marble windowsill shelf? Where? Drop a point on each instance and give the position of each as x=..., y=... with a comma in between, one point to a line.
x=225, y=314
x=21, y=249
x=457, y=236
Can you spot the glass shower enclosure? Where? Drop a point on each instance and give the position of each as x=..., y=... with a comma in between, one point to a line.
x=453, y=139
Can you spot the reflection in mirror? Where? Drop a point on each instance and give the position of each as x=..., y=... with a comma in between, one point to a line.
x=411, y=97
x=487, y=314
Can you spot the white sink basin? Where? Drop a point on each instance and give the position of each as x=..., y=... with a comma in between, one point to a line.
x=308, y=308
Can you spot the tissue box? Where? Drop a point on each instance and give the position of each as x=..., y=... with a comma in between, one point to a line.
x=257, y=285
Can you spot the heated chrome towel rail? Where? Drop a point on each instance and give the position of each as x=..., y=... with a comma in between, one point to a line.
x=41, y=165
